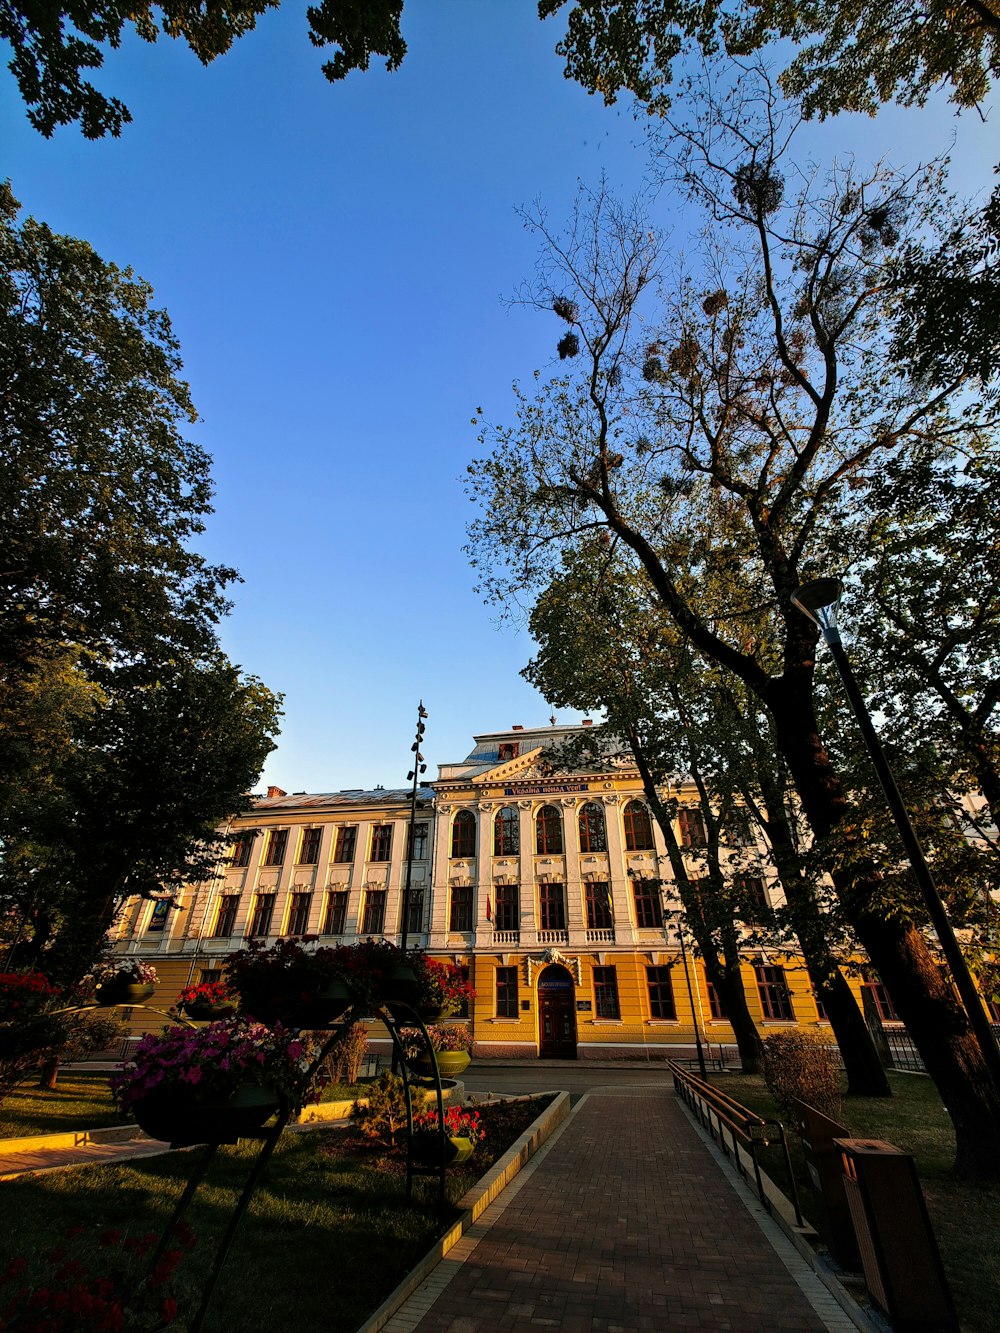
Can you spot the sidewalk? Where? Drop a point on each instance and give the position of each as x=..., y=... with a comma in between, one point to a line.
x=623, y=1222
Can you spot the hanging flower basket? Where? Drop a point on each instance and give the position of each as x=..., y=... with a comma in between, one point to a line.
x=207, y=1002
x=399, y=986
x=450, y=1063
x=209, y=1011
x=124, y=992
x=181, y=1117
x=427, y=1148
x=306, y=1010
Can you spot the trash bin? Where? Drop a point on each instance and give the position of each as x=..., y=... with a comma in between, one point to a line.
x=826, y=1176
x=899, y=1254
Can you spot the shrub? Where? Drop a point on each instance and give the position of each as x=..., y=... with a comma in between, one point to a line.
x=385, y=1114
x=343, y=1061
x=459, y=1122
x=799, y=1066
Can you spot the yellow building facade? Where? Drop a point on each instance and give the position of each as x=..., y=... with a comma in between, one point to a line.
x=551, y=888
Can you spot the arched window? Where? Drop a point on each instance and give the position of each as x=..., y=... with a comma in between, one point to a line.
x=463, y=834
x=593, y=837
x=638, y=829
x=507, y=832
x=548, y=830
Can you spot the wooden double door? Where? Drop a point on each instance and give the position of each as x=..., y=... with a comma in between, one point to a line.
x=556, y=1015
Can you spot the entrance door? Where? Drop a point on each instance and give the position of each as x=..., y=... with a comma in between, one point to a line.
x=556, y=1015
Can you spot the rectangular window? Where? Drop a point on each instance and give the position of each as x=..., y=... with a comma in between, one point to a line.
x=606, y=992
x=381, y=842
x=598, y=902
x=298, y=914
x=738, y=830
x=161, y=911
x=415, y=916
x=715, y=1006
x=754, y=905
x=648, y=907
x=336, y=912
x=260, y=919
x=242, y=847
x=373, y=922
x=883, y=1004
x=661, y=993
x=461, y=907
x=343, y=852
x=508, y=907
x=552, y=907
x=416, y=841
x=225, y=922
x=309, y=848
x=775, y=1001
x=274, y=853
x=692, y=828
x=506, y=992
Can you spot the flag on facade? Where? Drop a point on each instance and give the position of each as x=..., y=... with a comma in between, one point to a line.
x=489, y=909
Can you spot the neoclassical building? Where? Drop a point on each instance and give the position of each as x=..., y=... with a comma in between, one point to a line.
x=551, y=887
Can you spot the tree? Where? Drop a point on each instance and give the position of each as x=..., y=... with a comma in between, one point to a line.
x=599, y=652
x=619, y=652
x=54, y=44
x=125, y=733
x=852, y=57
x=726, y=455
x=100, y=493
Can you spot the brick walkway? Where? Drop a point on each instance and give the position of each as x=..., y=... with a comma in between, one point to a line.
x=624, y=1222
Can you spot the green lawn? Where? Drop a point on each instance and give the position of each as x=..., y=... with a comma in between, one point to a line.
x=326, y=1239
x=965, y=1216
x=79, y=1101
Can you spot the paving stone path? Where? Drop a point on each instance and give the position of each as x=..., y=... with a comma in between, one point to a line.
x=624, y=1222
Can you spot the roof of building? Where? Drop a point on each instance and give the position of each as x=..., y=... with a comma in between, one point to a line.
x=350, y=796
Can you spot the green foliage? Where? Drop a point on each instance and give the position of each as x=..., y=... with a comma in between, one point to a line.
x=799, y=1066
x=55, y=45
x=850, y=56
x=385, y=1115
x=126, y=736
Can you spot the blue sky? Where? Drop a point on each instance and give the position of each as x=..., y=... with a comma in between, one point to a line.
x=334, y=259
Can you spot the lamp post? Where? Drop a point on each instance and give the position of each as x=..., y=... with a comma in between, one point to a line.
x=414, y=776
x=676, y=915
x=820, y=601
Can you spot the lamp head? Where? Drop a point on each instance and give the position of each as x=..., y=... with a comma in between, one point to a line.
x=820, y=601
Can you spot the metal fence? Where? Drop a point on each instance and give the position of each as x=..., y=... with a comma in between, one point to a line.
x=902, y=1052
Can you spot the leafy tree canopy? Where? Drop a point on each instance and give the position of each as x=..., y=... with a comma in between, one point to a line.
x=100, y=492
x=56, y=45
x=852, y=56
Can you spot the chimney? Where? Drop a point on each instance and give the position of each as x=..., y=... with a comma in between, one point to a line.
x=272, y=792
x=587, y=722
x=517, y=727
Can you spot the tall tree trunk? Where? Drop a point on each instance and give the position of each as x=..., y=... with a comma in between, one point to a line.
x=926, y=1002
x=866, y=1076
x=724, y=972
x=49, y=1074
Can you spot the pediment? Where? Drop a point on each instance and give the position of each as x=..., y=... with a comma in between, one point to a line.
x=526, y=766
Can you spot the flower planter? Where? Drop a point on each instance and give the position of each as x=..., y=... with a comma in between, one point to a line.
x=209, y=1011
x=399, y=986
x=318, y=1010
x=124, y=992
x=450, y=1064
x=426, y=1146
x=176, y=1115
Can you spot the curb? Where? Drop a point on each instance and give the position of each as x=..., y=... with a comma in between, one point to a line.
x=473, y=1203
x=73, y=1138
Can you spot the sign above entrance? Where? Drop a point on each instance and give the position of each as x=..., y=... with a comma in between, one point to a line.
x=535, y=789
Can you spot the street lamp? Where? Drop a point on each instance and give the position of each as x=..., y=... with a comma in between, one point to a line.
x=414, y=775
x=820, y=601
x=676, y=914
